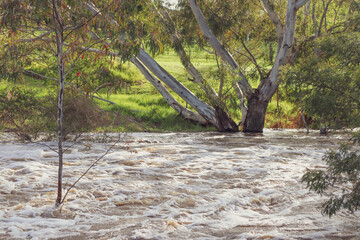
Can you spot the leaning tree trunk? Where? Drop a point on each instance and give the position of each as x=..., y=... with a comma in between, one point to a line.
x=183, y=111
x=220, y=119
x=255, y=117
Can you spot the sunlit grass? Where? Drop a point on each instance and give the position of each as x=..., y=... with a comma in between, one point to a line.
x=141, y=102
x=151, y=112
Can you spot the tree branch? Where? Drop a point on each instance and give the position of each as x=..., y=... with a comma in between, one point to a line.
x=253, y=59
x=89, y=168
x=274, y=17
x=220, y=49
x=184, y=57
x=300, y=3
x=39, y=75
x=69, y=84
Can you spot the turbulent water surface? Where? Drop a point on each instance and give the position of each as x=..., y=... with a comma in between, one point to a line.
x=171, y=186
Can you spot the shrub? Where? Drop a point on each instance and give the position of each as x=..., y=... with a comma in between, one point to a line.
x=22, y=112
x=81, y=114
x=26, y=113
x=340, y=181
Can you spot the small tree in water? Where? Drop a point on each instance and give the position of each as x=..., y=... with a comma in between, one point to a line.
x=340, y=180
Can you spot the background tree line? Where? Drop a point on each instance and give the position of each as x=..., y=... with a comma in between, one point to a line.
x=258, y=46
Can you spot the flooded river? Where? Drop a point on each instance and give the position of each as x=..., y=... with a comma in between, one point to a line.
x=171, y=186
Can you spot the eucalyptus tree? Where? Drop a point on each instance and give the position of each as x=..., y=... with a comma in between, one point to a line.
x=255, y=39
x=257, y=99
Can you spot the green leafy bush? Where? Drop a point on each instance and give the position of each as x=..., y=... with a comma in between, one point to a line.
x=22, y=112
x=28, y=114
x=340, y=181
x=327, y=85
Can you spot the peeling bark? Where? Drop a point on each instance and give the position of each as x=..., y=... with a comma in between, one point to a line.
x=220, y=120
x=184, y=112
x=220, y=49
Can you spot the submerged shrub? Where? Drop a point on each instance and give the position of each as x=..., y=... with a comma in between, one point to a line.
x=340, y=181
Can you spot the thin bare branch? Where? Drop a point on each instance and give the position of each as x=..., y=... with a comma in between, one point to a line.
x=253, y=59
x=39, y=75
x=89, y=168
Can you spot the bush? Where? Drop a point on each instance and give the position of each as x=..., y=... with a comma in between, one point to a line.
x=328, y=85
x=27, y=114
x=81, y=114
x=22, y=112
x=340, y=181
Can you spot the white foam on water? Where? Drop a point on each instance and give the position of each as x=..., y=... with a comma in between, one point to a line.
x=171, y=186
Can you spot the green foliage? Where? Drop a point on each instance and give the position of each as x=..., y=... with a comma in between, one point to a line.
x=329, y=82
x=28, y=113
x=340, y=181
x=23, y=113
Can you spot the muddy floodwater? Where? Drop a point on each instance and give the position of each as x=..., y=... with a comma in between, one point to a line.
x=171, y=186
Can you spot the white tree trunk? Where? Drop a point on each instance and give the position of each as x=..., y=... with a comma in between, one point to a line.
x=216, y=117
x=276, y=21
x=268, y=88
x=220, y=49
x=184, y=112
x=202, y=108
x=185, y=59
x=258, y=102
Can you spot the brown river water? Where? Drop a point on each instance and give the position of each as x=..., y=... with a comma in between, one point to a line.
x=171, y=186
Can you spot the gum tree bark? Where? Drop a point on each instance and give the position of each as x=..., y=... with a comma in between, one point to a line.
x=220, y=49
x=213, y=116
x=184, y=57
x=257, y=101
x=224, y=122
x=217, y=117
x=184, y=112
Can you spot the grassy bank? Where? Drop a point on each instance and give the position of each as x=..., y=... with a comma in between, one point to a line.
x=139, y=107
